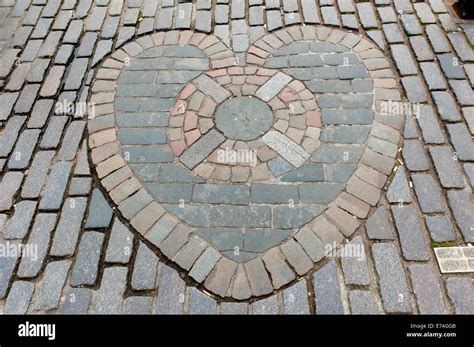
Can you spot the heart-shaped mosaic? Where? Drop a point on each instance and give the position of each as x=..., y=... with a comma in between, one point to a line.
x=245, y=175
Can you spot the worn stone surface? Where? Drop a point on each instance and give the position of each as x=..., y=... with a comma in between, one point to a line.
x=363, y=302
x=459, y=291
x=295, y=299
x=393, y=287
x=354, y=263
x=200, y=303
x=428, y=193
x=378, y=225
x=319, y=85
x=109, y=298
x=427, y=289
x=119, y=248
x=461, y=203
x=68, y=227
x=51, y=286
x=144, y=270
x=255, y=116
x=327, y=290
x=447, y=167
x=399, y=190
x=170, y=299
x=86, y=266
x=19, y=298
x=77, y=301
x=40, y=237
x=411, y=235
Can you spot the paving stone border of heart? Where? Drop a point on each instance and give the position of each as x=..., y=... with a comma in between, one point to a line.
x=298, y=255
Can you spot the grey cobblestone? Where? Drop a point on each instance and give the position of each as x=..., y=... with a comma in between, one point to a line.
x=327, y=290
x=119, y=248
x=461, y=205
x=50, y=288
x=329, y=15
x=447, y=167
x=10, y=134
x=202, y=148
x=460, y=290
x=7, y=100
x=200, y=303
x=440, y=228
x=355, y=267
x=393, y=287
x=109, y=298
x=363, y=302
x=295, y=299
x=40, y=113
x=100, y=213
x=462, y=141
x=433, y=76
x=266, y=306
x=446, y=106
x=403, y=59
x=415, y=158
x=203, y=21
x=428, y=193
x=19, y=223
x=462, y=90
x=37, y=174
x=86, y=265
x=24, y=149
x=410, y=131
x=378, y=225
x=411, y=235
x=429, y=126
x=67, y=230
x=40, y=236
x=77, y=301
x=233, y=308
x=416, y=91
x=53, y=192
x=53, y=132
x=137, y=305
x=411, y=24
x=437, y=38
x=461, y=46
x=7, y=266
x=80, y=186
x=170, y=299
x=74, y=81
x=367, y=15
x=71, y=140
x=144, y=271
x=19, y=298
x=427, y=289
x=399, y=190
x=27, y=98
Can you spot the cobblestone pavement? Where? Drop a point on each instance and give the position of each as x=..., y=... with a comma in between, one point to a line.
x=237, y=157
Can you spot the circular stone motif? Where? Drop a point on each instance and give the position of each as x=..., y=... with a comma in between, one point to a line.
x=288, y=143
x=245, y=229
x=243, y=118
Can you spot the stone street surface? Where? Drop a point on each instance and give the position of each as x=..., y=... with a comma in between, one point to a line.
x=236, y=157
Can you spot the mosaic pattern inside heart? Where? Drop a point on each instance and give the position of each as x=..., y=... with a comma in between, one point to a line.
x=244, y=174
